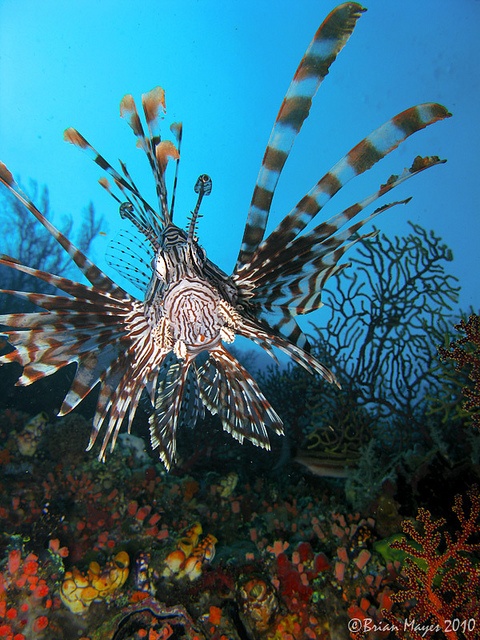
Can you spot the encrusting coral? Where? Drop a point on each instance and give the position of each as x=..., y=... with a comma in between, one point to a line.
x=27, y=599
x=228, y=484
x=79, y=590
x=258, y=603
x=191, y=553
x=29, y=437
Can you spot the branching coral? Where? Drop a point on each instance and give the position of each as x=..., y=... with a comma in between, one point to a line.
x=442, y=575
x=382, y=324
x=465, y=352
x=20, y=238
x=380, y=339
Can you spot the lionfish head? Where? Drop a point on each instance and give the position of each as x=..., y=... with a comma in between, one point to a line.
x=178, y=249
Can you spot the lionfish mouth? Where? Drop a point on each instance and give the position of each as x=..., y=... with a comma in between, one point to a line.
x=190, y=307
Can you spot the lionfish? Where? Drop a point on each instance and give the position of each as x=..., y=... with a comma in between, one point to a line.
x=172, y=343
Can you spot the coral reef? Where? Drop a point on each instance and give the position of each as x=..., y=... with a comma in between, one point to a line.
x=298, y=555
x=382, y=324
x=190, y=554
x=27, y=600
x=152, y=619
x=29, y=437
x=228, y=484
x=79, y=590
x=380, y=333
x=441, y=574
x=381, y=340
x=465, y=352
x=292, y=562
x=258, y=603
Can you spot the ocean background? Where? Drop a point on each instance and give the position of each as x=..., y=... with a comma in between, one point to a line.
x=319, y=537
x=225, y=67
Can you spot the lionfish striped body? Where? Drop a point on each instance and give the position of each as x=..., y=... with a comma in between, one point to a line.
x=172, y=343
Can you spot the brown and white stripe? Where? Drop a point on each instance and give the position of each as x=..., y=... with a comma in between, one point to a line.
x=328, y=41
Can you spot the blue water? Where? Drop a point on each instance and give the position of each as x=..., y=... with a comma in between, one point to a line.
x=225, y=68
